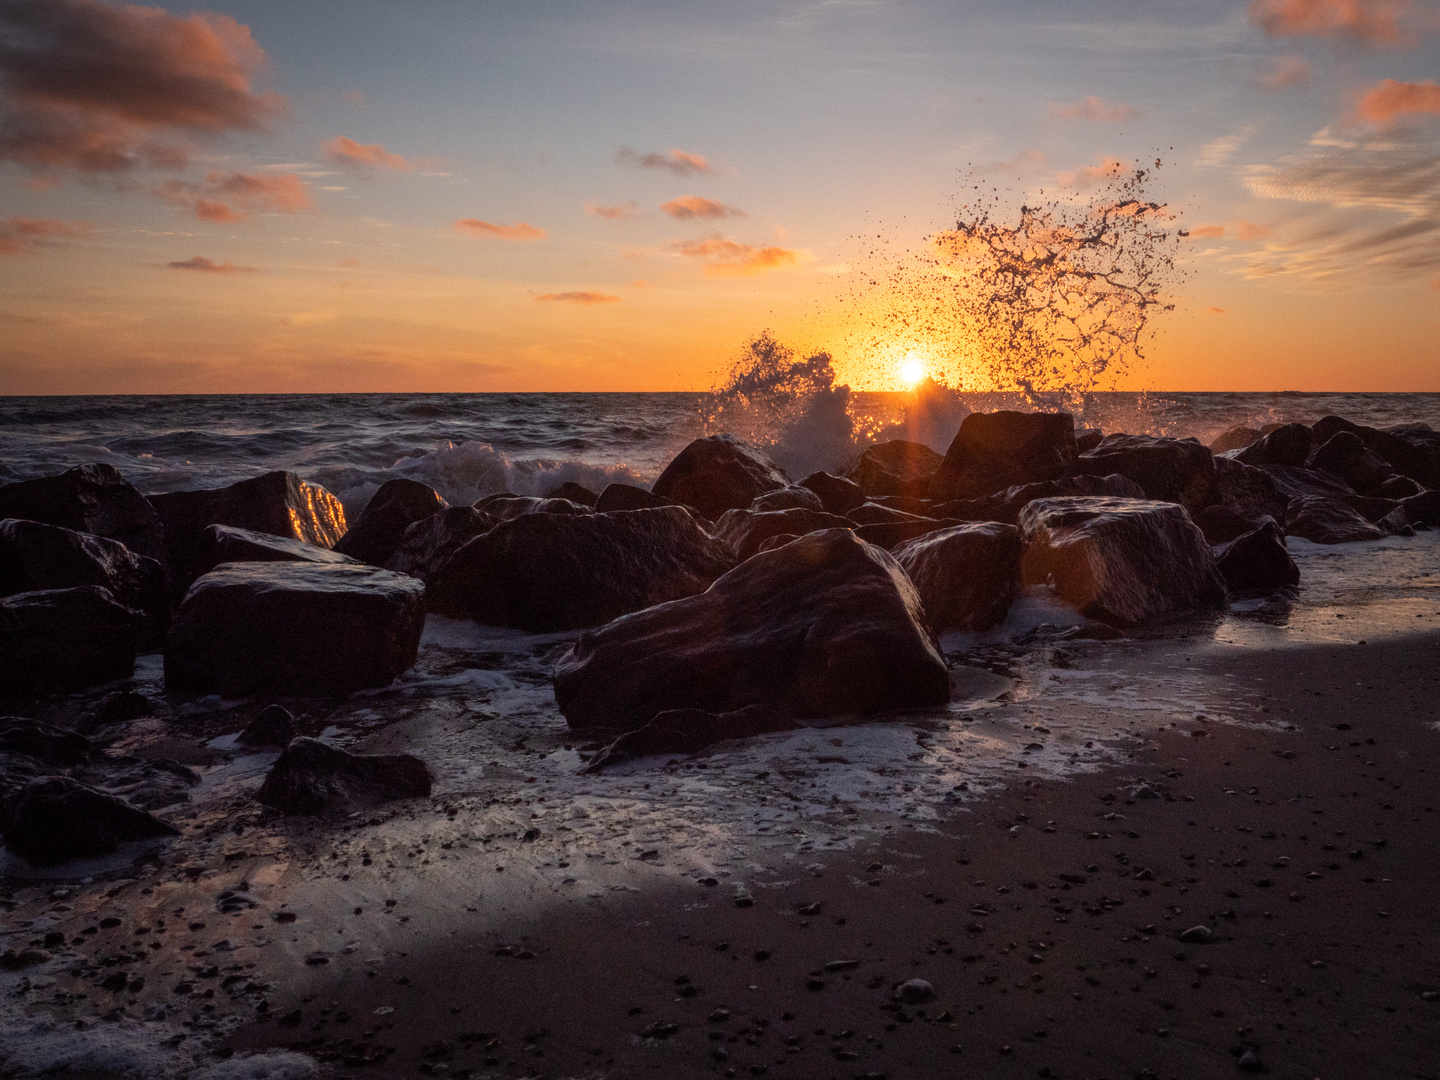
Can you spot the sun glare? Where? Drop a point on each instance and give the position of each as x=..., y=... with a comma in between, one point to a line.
x=912, y=370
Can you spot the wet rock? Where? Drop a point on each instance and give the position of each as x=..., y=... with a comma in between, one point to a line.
x=628, y=497
x=226, y=543
x=1121, y=561
x=92, y=499
x=1197, y=935
x=1422, y=509
x=826, y=625
x=794, y=497
x=56, y=818
x=547, y=572
x=778, y=541
x=914, y=992
x=377, y=532
x=43, y=742
x=1289, y=444
x=1327, y=521
x=294, y=628
x=1235, y=438
x=1220, y=524
x=149, y=783
x=1088, y=439
x=1411, y=451
x=896, y=468
x=1372, y=510
x=1258, y=562
x=1292, y=482
x=56, y=640
x=718, y=473
x=837, y=494
x=573, y=492
x=1249, y=492
x=507, y=507
x=891, y=534
x=1005, y=506
x=745, y=531
x=688, y=731
x=871, y=513
x=1346, y=455
x=310, y=778
x=274, y=726
x=1170, y=470
x=121, y=706
x=426, y=545
x=994, y=451
x=967, y=575
x=1397, y=487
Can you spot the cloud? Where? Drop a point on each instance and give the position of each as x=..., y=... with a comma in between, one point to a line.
x=615, y=213
x=1248, y=230
x=680, y=162
x=93, y=88
x=730, y=258
x=349, y=154
x=1025, y=161
x=205, y=266
x=1390, y=98
x=27, y=236
x=1285, y=71
x=1216, y=311
x=585, y=298
x=519, y=231
x=694, y=206
x=1096, y=109
x=1374, y=22
x=1207, y=232
x=1089, y=176
x=1218, y=152
x=214, y=198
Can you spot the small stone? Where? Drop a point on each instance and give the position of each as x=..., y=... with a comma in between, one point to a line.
x=1250, y=1062
x=1197, y=935
x=914, y=992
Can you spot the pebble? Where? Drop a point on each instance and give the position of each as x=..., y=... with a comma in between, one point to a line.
x=1197, y=935
x=914, y=991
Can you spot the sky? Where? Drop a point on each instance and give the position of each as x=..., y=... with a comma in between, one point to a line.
x=459, y=195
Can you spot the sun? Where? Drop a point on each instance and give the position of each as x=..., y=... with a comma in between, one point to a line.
x=912, y=370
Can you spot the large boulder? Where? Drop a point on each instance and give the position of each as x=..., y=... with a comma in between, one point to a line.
x=896, y=468
x=838, y=495
x=573, y=492
x=1422, y=509
x=55, y=640
x=827, y=625
x=226, y=543
x=1289, y=444
x=718, y=473
x=1411, y=451
x=1005, y=506
x=505, y=506
x=377, y=532
x=1247, y=491
x=310, y=777
x=1258, y=562
x=1346, y=455
x=1292, y=481
x=54, y=818
x=428, y=544
x=1323, y=520
x=1235, y=438
x=745, y=530
x=994, y=451
x=891, y=534
x=872, y=513
x=1120, y=561
x=628, y=497
x=1169, y=470
x=44, y=742
x=90, y=499
x=294, y=628
x=547, y=572
x=967, y=575
x=688, y=731
x=794, y=497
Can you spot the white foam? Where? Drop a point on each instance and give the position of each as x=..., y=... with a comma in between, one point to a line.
x=282, y=1066
x=125, y=1049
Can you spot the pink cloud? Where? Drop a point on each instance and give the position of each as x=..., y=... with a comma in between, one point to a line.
x=694, y=206
x=730, y=258
x=1389, y=99
x=1375, y=22
x=1089, y=176
x=680, y=162
x=1248, y=230
x=215, y=198
x=349, y=154
x=1206, y=232
x=585, y=298
x=518, y=231
x=614, y=213
x=1286, y=71
x=1096, y=109
x=205, y=266
x=26, y=236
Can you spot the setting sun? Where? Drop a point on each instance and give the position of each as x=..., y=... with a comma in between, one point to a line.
x=912, y=370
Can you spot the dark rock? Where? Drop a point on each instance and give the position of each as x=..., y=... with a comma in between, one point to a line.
x=1292, y=482
x=226, y=543
x=507, y=507
x=428, y=544
x=1220, y=524
x=891, y=534
x=92, y=499
x=1235, y=438
x=1005, y=506
x=914, y=992
x=56, y=640
x=906, y=503
x=275, y=726
x=718, y=473
x=1422, y=509
x=121, y=706
x=837, y=494
x=547, y=572
x=1323, y=520
x=377, y=532
x=874, y=514
x=1088, y=440
x=745, y=531
x=793, y=497
x=1346, y=455
x=1289, y=444
x=294, y=628
x=967, y=575
x=1121, y=561
x=1258, y=562
x=310, y=778
x=1372, y=510
x=628, y=497
x=576, y=493
x=994, y=451
x=43, y=742
x=1169, y=470
x=149, y=783
x=826, y=625
x=1397, y=487
x=1411, y=451
x=1249, y=492
x=778, y=541
x=896, y=468
x=55, y=818
x=688, y=731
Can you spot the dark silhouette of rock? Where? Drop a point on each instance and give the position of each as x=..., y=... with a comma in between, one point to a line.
x=826, y=625
x=906, y=503
x=506, y=507
x=1258, y=562
x=274, y=726
x=1372, y=510
x=54, y=818
x=43, y=742
x=874, y=514
x=1411, y=451
x=576, y=493
x=1005, y=506
x=426, y=545
x=994, y=451
x=1249, y=492
x=718, y=473
x=837, y=494
x=794, y=497
x=1121, y=561
x=1088, y=440
x=1346, y=455
x=294, y=628
x=688, y=731
x=120, y=706
x=1235, y=438
x=226, y=543
x=310, y=777
x=1397, y=487
x=896, y=468
x=1293, y=482
x=89, y=499
x=547, y=572
x=376, y=533
x=1169, y=470
x=56, y=640
x=1323, y=520
x=967, y=575
x=628, y=497
x=1422, y=509
x=1220, y=524
x=745, y=530
x=150, y=784
x=1289, y=445
x=781, y=540
x=891, y=534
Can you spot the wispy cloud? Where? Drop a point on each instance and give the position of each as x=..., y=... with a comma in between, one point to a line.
x=619, y=212
x=1249, y=231
x=583, y=298
x=349, y=154
x=1390, y=99
x=694, y=206
x=680, y=162
x=519, y=231
x=730, y=258
x=28, y=236
x=1096, y=109
x=1206, y=232
x=215, y=198
x=1217, y=152
x=1374, y=22
x=200, y=264
x=1285, y=71
x=1089, y=176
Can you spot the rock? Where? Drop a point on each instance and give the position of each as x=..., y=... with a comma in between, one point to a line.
x=294, y=628
x=826, y=625
x=1005, y=506
x=55, y=818
x=1422, y=509
x=547, y=572
x=967, y=575
x=1372, y=510
x=914, y=992
x=1249, y=492
x=837, y=494
x=1258, y=562
x=718, y=473
x=891, y=534
x=874, y=514
x=688, y=731
x=1346, y=455
x=149, y=783
x=121, y=706
x=1121, y=561
x=226, y=543
x=1220, y=524
x=904, y=503
x=93, y=499
x=576, y=493
x=1289, y=444
x=896, y=468
x=1088, y=439
x=377, y=532
x=1249, y=1061
x=507, y=507
x=274, y=726
x=1197, y=935
x=745, y=531
x=628, y=497
x=1323, y=520
x=311, y=778
x=1235, y=438
x=427, y=544
x=1412, y=452
x=1292, y=482
x=778, y=541
x=994, y=451
x=1169, y=470
x=1397, y=487
x=793, y=497
x=43, y=742
x=55, y=640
